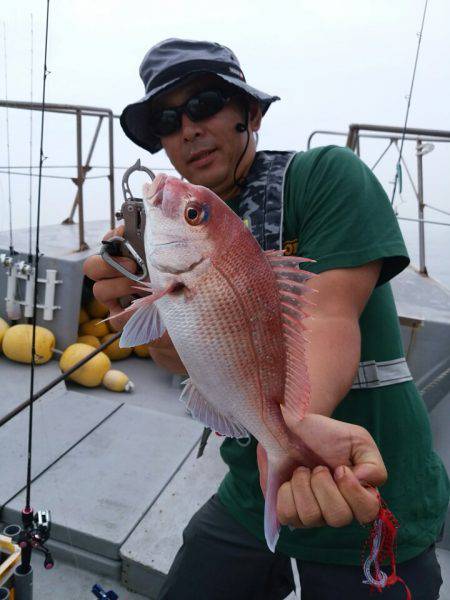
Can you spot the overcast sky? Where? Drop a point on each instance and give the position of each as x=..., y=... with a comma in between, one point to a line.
x=332, y=62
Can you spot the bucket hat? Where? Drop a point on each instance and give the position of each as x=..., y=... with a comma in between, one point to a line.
x=166, y=65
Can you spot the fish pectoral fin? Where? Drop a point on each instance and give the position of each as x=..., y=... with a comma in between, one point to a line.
x=143, y=327
x=202, y=411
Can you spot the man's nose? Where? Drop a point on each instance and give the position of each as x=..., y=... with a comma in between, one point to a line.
x=190, y=129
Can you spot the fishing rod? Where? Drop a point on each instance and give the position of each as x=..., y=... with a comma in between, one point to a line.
x=8, y=153
x=398, y=167
x=7, y=259
x=30, y=171
x=35, y=526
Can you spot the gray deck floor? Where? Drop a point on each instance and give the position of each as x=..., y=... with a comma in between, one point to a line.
x=119, y=471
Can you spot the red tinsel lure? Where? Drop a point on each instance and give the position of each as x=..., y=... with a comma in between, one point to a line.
x=382, y=541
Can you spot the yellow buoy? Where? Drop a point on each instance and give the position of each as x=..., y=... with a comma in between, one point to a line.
x=17, y=342
x=84, y=317
x=95, y=328
x=113, y=350
x=116, y=381
x=91, y=340
x=142, y=351
x=97, y=310
x=90, y=374
x=3, y=327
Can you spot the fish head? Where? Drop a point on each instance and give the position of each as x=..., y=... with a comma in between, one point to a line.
x=182, y=224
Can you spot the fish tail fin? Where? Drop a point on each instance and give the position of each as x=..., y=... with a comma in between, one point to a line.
x=278, y=471
x=271, y=522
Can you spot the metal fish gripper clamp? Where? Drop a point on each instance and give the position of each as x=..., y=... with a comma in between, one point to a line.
x=131, y=245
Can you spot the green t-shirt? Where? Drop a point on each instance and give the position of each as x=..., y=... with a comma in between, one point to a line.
x=340, y=215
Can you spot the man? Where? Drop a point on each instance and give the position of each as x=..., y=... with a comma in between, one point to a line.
x=323, y=204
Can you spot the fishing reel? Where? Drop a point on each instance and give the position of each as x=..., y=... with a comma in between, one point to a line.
x=35, y=533
x=25, y=268
x=6, y=260
x=132, y=243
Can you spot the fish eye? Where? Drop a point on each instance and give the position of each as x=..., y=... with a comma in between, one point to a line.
x=193, y=213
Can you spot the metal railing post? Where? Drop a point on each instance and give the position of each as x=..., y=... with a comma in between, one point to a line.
x=422, y=266
x=80, y=181
x=86, y=168
x=111, y=170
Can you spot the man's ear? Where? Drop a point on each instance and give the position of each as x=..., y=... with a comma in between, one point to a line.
x=254, y=115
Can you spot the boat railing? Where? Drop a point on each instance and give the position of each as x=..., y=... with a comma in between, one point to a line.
x=424, y=140
x=79, y=111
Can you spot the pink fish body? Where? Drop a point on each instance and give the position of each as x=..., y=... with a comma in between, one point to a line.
x=234, y=314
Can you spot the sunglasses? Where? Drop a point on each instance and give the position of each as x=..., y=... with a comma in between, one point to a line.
x=200, y=106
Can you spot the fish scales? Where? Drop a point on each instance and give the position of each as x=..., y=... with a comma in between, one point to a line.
x=229, y=338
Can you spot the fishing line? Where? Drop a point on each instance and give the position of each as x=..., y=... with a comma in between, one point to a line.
x=30, y=172
x=8, y=155
x=398, y=165
x=36, y=269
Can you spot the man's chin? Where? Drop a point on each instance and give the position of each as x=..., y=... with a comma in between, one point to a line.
x=209, y=178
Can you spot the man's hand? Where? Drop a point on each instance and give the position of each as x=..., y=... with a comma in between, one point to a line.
x=109, y=286
x=330, y=497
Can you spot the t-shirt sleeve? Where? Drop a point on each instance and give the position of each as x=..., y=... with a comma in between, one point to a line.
x=344, y=217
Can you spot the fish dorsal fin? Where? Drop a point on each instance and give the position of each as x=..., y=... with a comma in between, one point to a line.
x=291, y=286
x=201, y=410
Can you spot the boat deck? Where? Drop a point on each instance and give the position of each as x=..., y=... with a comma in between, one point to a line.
x=119, y=471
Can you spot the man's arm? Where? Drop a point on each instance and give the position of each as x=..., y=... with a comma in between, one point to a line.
x=334, y=348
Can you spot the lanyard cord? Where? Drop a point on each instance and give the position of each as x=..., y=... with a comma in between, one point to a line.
x=398, y=165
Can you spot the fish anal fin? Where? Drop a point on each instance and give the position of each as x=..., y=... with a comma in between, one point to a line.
x=207, y=414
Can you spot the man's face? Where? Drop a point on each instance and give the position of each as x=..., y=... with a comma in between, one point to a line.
x=207, y=152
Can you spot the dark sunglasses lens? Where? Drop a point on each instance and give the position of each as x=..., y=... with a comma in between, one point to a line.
x=166, y=122
x=202, y=105
x=205, y=105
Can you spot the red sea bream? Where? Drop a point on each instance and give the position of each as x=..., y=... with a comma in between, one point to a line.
x=234, y=314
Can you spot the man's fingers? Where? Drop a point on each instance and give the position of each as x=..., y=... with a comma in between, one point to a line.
x=96, y=268
x=286, y=509
x=372, y=473
x=334, y=508
x=362, y=501
x=107, y=290
x=366, y=458
x=120, y=230
x=307, y=507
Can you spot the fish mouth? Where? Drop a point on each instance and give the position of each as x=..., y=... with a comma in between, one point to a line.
x=173, y=243
x=164, y=268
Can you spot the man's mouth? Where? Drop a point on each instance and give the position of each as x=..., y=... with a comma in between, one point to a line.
x=199, y=156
